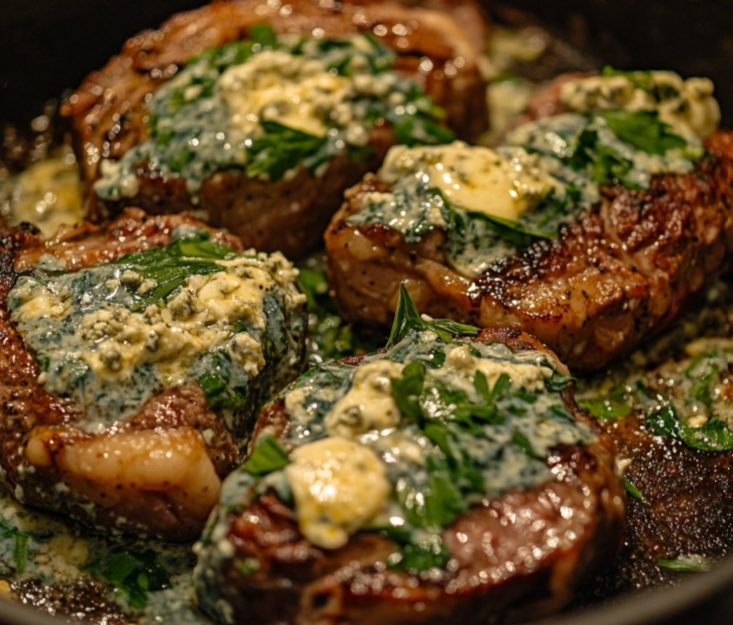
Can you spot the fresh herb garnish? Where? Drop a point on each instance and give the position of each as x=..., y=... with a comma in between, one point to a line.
x=281, y=149
x=171, y=266
x=20, y=554
x=407, y=319
x=643, y=130
x=714, y=435
x=692, y=563
x=635, y=492
x=602, y=162
x=423, y=556
x=268, y=456
x=133, y=573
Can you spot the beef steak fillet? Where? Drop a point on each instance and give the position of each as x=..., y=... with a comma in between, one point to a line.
x=122, y=418
x=514, y=548
x=623, y=234
x=269, y=211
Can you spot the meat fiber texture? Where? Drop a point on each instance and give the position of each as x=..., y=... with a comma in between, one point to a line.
x=155, y=473
x=516, y=556
x=290, y=214
x=621, y=272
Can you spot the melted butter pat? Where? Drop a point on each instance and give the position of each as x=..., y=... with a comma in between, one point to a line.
x=476, y=179
x=338, y=486
x=277, y=86
x=369, y=404
x=688, y=106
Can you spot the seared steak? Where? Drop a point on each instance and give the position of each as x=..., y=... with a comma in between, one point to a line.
x=133, y=358
x=591, y=270
x=393, y=498
x=234, y=153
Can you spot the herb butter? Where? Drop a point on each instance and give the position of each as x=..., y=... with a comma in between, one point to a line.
x=270, y=104
x=338, y=486
x=111, y=336
x=623, y=128
x=401, y=442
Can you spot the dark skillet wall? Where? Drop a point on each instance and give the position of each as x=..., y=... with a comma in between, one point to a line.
x=47, y=46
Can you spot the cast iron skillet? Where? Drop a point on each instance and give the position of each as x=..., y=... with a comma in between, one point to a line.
x=47, y=46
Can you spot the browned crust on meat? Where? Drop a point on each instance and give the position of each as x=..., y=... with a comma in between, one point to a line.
x=687, y=508
x=517, y=556
x=621, y=272
x=108, y=117
x=28, y=411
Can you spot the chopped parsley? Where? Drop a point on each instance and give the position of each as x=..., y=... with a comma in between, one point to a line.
x=133, y=573
x=267, y=456
x=169, y=267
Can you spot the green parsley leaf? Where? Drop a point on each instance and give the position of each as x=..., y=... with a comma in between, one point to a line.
x=427, y=554
x=605, y=408
x=20, y=553
x=281, y=149
x=171, y=266
x=133, y=573
x=635, y=492
x=408, y=388
x=691, y=563
x=714, y=435
x=268, y=456
x=521, y=441
x=643, y=130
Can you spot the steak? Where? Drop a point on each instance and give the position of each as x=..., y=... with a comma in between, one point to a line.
x=514, y=554
x=110, y=118
x=619, y=272
x=149, y=464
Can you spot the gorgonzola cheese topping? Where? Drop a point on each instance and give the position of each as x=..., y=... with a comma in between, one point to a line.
x=112, y=336
x=688, y=106
x=621, y=129
x=370, y=442
x=369, y=404
x=269, y=105
x=276, y=86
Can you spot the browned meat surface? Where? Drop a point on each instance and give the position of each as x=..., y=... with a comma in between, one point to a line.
x=155, y=473
x=468, y=13
x=109, y=118
x=514, y=557
x=688, y=509
x=617, y=275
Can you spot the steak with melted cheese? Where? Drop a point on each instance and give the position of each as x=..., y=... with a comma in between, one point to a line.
x=178, y=122
x=133, y=357
x=608, y=253
x=356, y=516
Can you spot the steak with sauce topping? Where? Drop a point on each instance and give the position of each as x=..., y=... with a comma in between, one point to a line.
x=616, y=273
x=514, y=555
x=111, y=119
x=144, y=454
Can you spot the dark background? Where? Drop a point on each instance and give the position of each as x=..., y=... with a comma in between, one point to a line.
x=47, y=46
